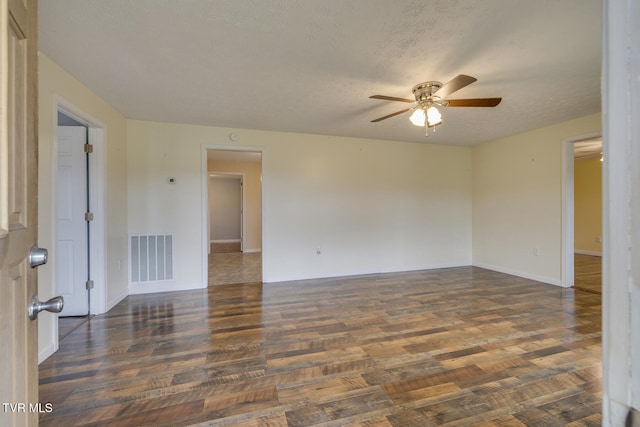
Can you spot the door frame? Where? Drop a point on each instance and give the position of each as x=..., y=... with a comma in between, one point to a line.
x=204, y=176
x=97, y=179
x=568, y=225
x=242, y=178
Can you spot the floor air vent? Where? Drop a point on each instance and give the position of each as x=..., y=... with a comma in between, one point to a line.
x=151, y=258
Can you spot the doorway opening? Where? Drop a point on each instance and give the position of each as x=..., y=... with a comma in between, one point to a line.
x=582, y=213
x=78, y=217
x=73, y=259
x=233, y=212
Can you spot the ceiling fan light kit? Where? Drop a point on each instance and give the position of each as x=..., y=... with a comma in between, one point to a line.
x=426, y=113
x=430, y=95
x=431, y=118
x=418, y=117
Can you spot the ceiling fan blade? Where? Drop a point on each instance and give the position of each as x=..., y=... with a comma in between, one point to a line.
x=390, y=115
x=454, y=85
x=391, y=98
x=477, y=102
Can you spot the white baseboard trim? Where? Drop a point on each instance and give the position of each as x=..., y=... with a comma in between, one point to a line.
x=251, y=251
x=225, y=241
x=537, y=278
x=116, y=300
x=288, y=278
x=46, y=352
x=592, y=253
x=150, y=288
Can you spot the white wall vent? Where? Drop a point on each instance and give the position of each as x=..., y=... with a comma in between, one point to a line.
x=151, y=258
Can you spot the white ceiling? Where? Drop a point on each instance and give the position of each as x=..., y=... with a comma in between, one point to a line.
x=309, y=66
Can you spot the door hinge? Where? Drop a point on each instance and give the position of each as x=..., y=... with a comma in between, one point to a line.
x=88, y=148
x=88, y=216
x=89, y=284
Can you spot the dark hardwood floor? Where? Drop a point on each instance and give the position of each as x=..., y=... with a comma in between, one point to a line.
x=66, y=325
x=459, y=346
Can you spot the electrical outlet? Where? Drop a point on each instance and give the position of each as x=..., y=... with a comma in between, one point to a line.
x=536, y=251
x=599, y=239
x=318, y=250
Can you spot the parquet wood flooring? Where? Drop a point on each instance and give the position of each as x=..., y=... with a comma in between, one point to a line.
x=460, y=346
x=588, y=273
x=235, y=267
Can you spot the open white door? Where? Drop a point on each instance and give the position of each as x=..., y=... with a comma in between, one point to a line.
x=621, y=215
x=19, y=214
x=72, y=249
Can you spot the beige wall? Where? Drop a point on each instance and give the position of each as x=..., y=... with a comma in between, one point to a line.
x=253, y=198
x=225, y=207
x=56, y=84
x=587, y=199
x=517, y=200
x=371, y=206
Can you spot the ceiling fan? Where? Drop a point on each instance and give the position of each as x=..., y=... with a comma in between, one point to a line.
x=430, y=95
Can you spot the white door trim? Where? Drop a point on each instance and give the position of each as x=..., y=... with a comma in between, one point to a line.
x=205, y=203
x=97, y=179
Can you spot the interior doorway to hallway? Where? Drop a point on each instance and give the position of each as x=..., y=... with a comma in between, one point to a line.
x=587, y=201
x=582, y=213
x=234, y=216
x=77, y=232
x=73, y=233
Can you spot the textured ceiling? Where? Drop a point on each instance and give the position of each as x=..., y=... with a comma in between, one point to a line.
x=309, y=66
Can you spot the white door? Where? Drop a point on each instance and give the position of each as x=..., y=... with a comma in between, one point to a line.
x=18, y=212
x=71, y=255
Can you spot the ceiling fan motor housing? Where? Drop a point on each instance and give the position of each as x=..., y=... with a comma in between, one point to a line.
x=425, y=90
x=425, y=94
